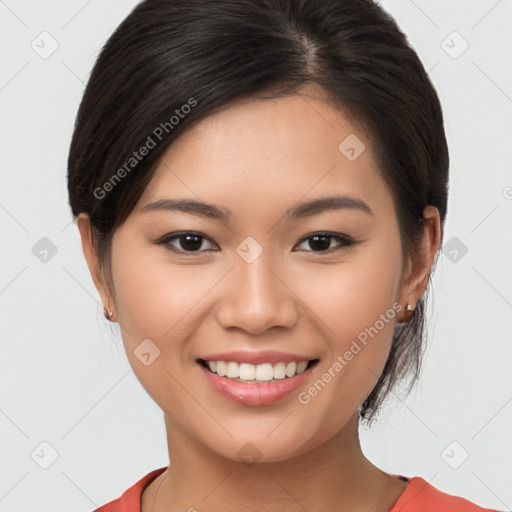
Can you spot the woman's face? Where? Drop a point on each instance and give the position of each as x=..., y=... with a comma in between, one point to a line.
x=257, y=282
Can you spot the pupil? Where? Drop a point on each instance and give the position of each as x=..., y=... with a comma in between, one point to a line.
x=188, y=245
x=323, y=245
x=193, y=242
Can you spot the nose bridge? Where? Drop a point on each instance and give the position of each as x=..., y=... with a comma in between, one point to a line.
x=256, y=298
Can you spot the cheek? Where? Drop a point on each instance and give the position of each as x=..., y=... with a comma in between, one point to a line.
x=155, y=301
x=163, y=302
x=353, y=295
x=152, y=295
x=357, y=304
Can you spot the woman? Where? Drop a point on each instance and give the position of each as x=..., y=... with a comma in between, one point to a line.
x=260, y=189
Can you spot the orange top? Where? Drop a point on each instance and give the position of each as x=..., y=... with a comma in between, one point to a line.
x=419, y=496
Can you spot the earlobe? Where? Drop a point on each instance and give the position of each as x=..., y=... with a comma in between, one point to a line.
x=91, y=256
x=408, y=312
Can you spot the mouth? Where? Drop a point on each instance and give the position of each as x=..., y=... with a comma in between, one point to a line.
x=256, y=378
x=265, y=373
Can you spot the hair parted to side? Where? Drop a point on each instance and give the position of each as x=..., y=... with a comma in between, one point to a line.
x=170, y=53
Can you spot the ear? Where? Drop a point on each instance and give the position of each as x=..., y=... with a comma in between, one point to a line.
x=421, y=262
x=91, y=256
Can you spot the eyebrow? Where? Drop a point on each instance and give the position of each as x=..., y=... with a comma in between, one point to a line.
x=306, y=209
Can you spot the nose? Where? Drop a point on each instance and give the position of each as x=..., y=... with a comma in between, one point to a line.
x=257, y=297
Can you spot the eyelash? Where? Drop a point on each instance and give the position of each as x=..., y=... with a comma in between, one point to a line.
x=346, y=242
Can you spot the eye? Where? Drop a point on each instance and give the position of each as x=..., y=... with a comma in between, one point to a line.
x=190, y=242
x=322, y=242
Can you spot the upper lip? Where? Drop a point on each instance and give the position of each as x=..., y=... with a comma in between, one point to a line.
x=255, y=358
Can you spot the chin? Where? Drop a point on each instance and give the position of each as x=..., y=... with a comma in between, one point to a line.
x=266, y=446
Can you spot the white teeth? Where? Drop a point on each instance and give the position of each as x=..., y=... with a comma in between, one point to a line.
x=221, y=368
x=260, y=373
x=301, y=366
x=247, y=371
x=291, y=369
x=232, y=370
x=280, y=371
x=264, y=372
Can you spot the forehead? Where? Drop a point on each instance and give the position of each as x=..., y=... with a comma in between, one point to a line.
x=256, y=153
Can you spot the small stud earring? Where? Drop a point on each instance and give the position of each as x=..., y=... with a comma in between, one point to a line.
x=409, y=307
x=108, y=314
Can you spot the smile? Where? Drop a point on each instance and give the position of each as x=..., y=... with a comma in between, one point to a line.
x=266, y=372
x=256, y=384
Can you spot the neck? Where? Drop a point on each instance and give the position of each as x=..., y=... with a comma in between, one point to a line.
x=333, y=476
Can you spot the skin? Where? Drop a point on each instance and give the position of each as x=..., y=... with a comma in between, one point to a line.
x=259, y=158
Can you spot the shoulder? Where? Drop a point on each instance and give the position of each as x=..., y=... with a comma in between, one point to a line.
x=129, y=501
x=420, y=496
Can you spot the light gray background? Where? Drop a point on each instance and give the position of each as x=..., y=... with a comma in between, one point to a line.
x=65, y=377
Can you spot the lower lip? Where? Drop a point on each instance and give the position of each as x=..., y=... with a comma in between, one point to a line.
x=255, y=394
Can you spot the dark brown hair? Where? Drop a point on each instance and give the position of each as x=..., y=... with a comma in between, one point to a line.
x=206, y=53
